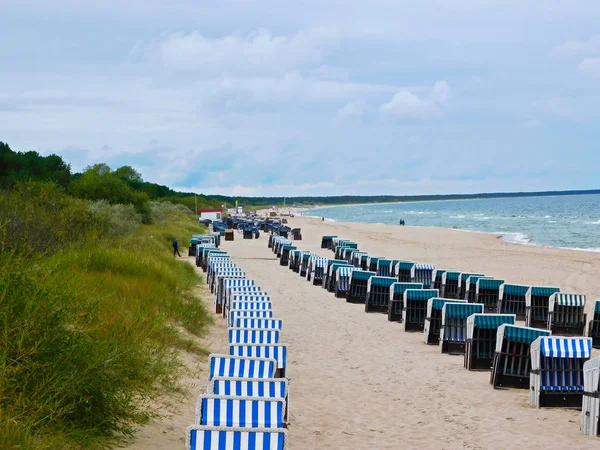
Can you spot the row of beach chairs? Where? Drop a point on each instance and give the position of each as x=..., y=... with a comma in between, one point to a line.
x=246, y=404
x=475, y=316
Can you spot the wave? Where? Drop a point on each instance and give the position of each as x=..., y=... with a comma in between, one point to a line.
x=457, y=216
x=516, y=237
x=597, y=222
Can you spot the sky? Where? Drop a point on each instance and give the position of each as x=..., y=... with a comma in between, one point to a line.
x=272, y=98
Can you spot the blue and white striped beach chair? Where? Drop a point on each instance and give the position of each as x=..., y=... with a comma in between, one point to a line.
x=241, y=366
x=433, y=321
x=271, y=324
x=253, y=336
x=512, y=361
x=244, y=313
x=317, y=270
x=224, y=438
x=261, y=297
x=234, y=411
x=556, y=377
x=356, y=258
x=251, y=306
x=220, y=276
x=422, y=273
x=342, y=283
x=276, y=351
x=453, y=330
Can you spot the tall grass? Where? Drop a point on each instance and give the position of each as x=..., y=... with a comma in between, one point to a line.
x=89, y=328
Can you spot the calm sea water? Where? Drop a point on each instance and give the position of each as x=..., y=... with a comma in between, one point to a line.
x=561, y=221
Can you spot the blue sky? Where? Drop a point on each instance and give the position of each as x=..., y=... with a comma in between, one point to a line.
x=310, y=98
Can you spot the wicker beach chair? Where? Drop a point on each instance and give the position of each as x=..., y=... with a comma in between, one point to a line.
x=396, y=302
x=251, y=306
x=234, y=315
x=220, y=278
x=482, y=331
x=537, y=303
x=422, y=273
x=363, y=261
x=378, y=293
x=268, y=324
x=357, y=290
x=453, y=329
x=208, y=252
x=566, y=314
x=403, y=271
x=594, y=326
x=372, y=263
x=325, y=283
x=463, y=285
x=342, y=281
x=316, y=271
x=590, y=411
x=240, y=286
x=253, y=336
x=278, y=352
x=384, y=268
x=234, y=411
x=304, y=262
x=200, y=252
x=285, y=254
x=487, y=292
x=331, y=280
x=232, y=438
x=556, y=378
x=241, y=366
x=229, y=234
x=414, y=308
x=471, y=288
x=436, y=279
x=450, y=282
x=512, y=299
x=512, y=360
x=356, y=258
x=433, y=321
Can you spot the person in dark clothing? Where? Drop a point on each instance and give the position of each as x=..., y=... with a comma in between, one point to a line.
x=176, y=248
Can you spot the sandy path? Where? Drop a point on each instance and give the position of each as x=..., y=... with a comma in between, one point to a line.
x=359, y=382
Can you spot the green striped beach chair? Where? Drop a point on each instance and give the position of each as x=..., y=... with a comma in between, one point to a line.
x=396, y=302
x=594, y=327
x=357, y=291
x=403, y=271
x=462, y=284
x=449, y=287
x=414, y=308
x=453, y=331
x=364, y=261
x=284, y=258
x=356, y=258
x=327, y=241
x=487, y=292
x=384, y=267
x=556, y=377
x=305, y=258
x=537, y=302
x=201, y=437
x=482, y=331
x=512, y=300
x=378, y=293
x=437, y=278
x=566, y=314
x=372, y=263
x=332, y=274
x=471, y=288
x=433, y=321
x=512, y=360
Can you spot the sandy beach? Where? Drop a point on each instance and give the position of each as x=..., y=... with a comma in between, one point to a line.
x=358, y=382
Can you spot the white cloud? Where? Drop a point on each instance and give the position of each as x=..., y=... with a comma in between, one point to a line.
x=589, y=67
x=407, y=104
x=349, y=111
x=578, y=47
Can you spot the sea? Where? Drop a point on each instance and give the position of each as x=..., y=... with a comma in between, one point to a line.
x=567, y=221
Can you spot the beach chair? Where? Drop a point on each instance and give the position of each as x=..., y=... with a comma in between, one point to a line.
x=200, y=252
x=463, y=285
x=363, y=261
x=453, y=330
x=233, y=411
x=487, y=292
x=261, y=297
x=229, y=234
x=251, y=387
x=372, y=263
x=339, y=251
x=285, y=254
x=436, y=278
x=566, y=314
x=268, y=324
x=220, y=277
x=512, y=359
x=318, y=266
x=422, y=273
x=217, y=262
x=357, y=290
x=556, y=378
x=330, y=281
x=234, y=315
x=295, y=260
x=482, y=331
x=241, y=366
x=278, y=352
x=471, y=288
x=384, y=268
x=403, y=271
x=232, y=286
x=356, y=258
x=200, y=437
x=512, y=300
x=208, y=252
x=590, y=411
x=297, y=234
x=254, y=336
x=594, y=327
x=326, y=277
x=537, y=302
x=327, y=241
x=251, y=306
x=304, y=262
x=414, y=308
x=449, y=287
x=396, y=302
x=433, y=320
x=342, y=282
x=378, y=293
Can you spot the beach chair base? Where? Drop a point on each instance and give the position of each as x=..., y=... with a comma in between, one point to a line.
x=340, y=294
x=248, y=235
x=453, y=348
x=541, y=324
x=412, y=327
x=303, y=273
x=375, y=308
x=218, y=308
x=500, y=381
x=490, y=309
x=191, y=251
x=394, y=317
x=595, y=341
x=354, y=299
x=317, y=282
x=283, y=262
x=483, y=364
x=433, y=339
x=571, y=400
x=568, y=331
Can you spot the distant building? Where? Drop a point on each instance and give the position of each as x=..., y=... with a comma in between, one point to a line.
x=212, y=214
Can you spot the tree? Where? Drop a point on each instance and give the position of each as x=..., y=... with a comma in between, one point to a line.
x=128, y=173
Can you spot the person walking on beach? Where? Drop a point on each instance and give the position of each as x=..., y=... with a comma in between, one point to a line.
x=176, y=248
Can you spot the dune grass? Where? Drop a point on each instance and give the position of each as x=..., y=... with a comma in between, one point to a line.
x=90, y=333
